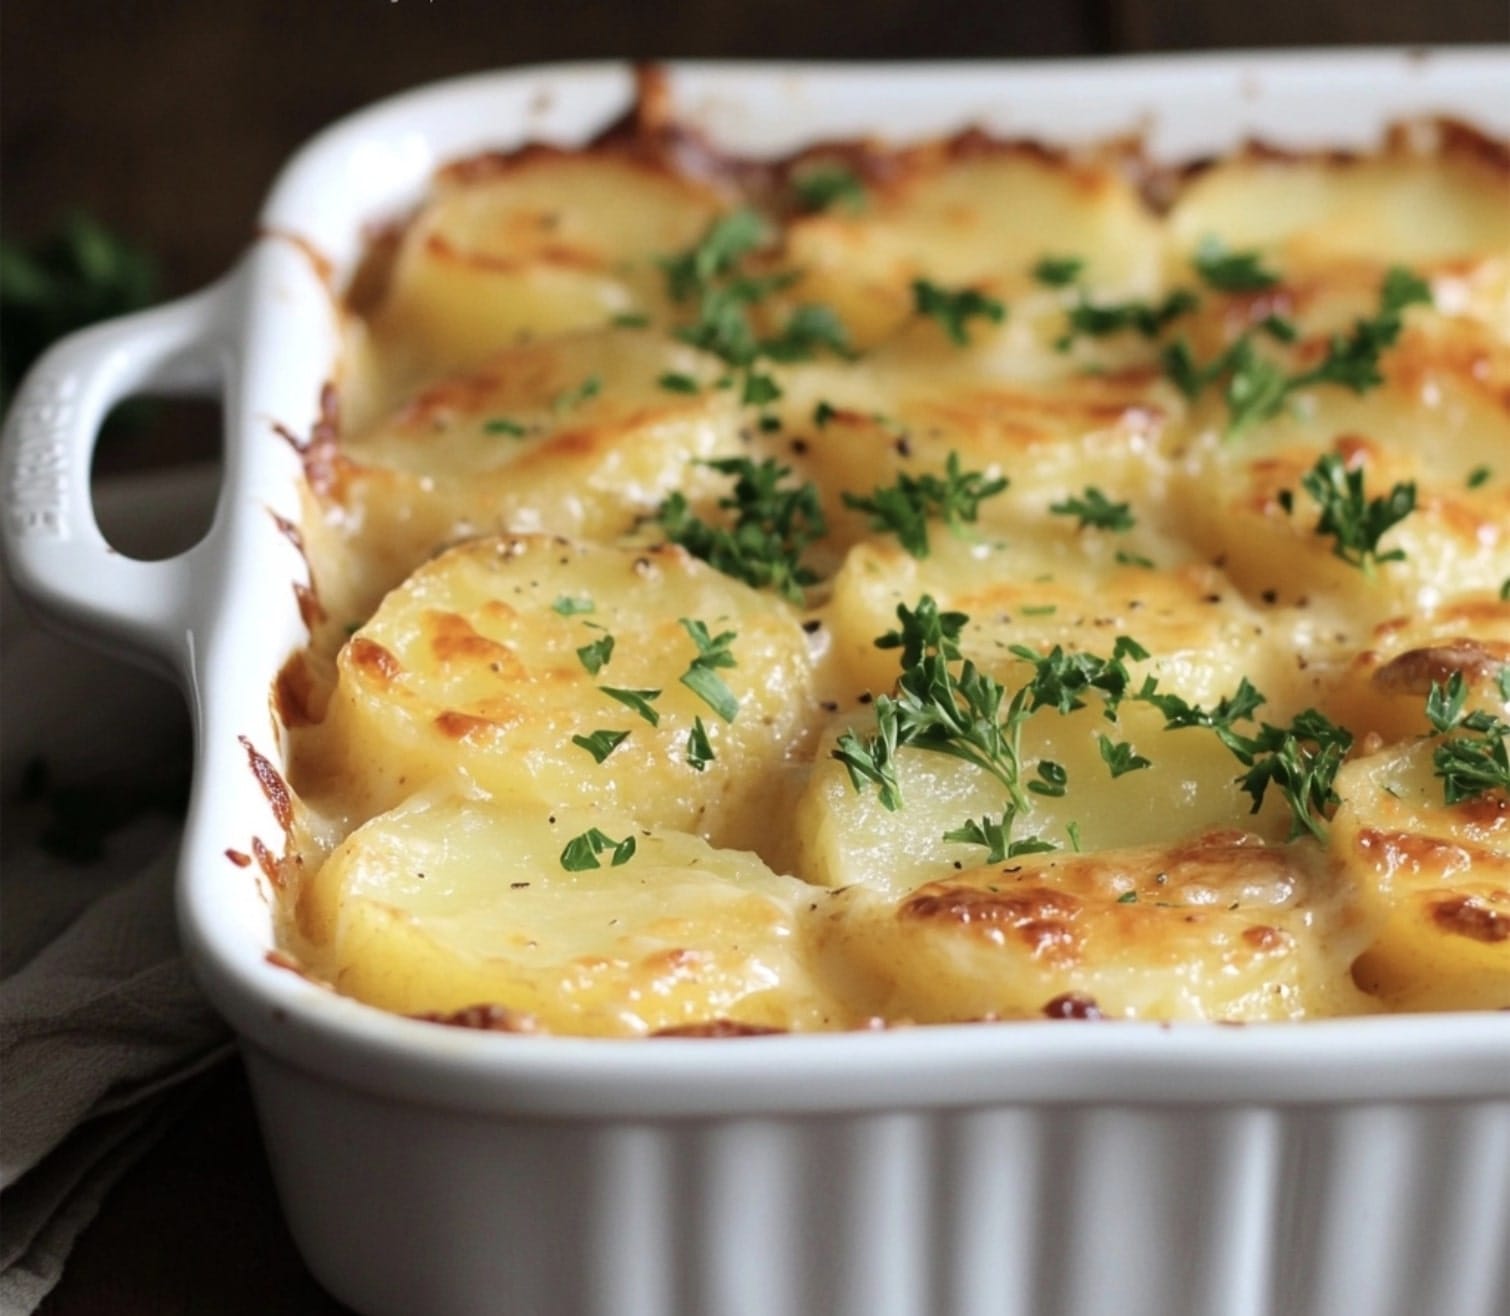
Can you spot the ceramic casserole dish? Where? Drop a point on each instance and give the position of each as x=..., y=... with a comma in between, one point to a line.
x=1358, y=1166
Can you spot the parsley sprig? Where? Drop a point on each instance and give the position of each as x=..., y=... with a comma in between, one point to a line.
x=944, y=704
x=1094, y=508
x=774, y=524
x=1099, y=320
x=709, y=275
x=1257, y=387
x=829, y=186
x=1355, y=522
x=954, y=308
x=1058, y=271
x=906, y=506
x=1299, y=760
x=1474, y=755
x=1231, y=271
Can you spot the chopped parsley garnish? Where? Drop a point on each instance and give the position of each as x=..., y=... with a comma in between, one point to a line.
x=1119, y=756
x=1051, y=779
x=1239, y=706
x=1505, y=590
x=638, y=700
x=582, y=851
x=675, y=382
x=567, y=606
x=773, y=526
x=824, y=186
x=1231, y=271
x=699, y=750
x=1058, y=271
x=600, y=744
x=631, y=320
x=1479, y=476
x=702, y=677
x=1127, y=559
x=1355, y=522
x=759, y=390
x=708, y=275
x=1257, y=387
x=823, y=413
x=1094, y=320
x=1301, y=761
x=503, y=425
x=808, y=329
x=571, y=398
x=1474, y=756
x=1039, y=610
x=1128, y=898
x=595, y=656
x=1094, y=508
x=946, y=705
x=906, y=506
x=955, y=308
x=994, y=834
x=728, y=238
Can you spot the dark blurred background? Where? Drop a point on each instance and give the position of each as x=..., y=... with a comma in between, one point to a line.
x=165, y=123
x=168, y=121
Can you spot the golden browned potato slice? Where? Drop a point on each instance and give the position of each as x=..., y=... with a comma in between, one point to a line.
x=477, y=671
x=447, y=903
x=576, y=435
x=1432, y=423
x=1044, y=582
x=526, y=246
x=1384, y=688
x=885, y=418
x=1433, y=880
x=981, y=219
x=1221, y=927
x=1434, y=198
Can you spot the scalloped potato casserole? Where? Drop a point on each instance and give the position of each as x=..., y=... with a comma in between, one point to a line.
x=912, y=584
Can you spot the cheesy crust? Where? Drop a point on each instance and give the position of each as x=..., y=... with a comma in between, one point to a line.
x=914, y=584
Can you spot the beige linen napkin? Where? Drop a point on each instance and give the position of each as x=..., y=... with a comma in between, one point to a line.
x=101, y=1026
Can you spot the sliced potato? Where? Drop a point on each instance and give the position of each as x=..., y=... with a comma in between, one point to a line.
x=447, y=903
x=1384, y=688
x=540, y=243
x=848, y=838
x=1219, y=927
x=1431, y=424
x=1433, y=880
x=472, y=672
x=1043, y=583
x=1414, y=204
x=576, y=435
x=979, y=219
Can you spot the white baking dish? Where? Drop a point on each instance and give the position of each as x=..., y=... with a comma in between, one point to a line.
x=1359, y=1167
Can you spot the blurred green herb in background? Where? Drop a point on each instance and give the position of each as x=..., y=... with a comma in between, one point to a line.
x=77, y=274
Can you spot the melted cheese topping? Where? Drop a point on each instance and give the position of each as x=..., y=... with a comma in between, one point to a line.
x=523, y=395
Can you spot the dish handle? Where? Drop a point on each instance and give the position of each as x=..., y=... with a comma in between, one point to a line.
x=55, y=551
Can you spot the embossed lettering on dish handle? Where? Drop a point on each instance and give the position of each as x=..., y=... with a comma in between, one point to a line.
x=37, y=483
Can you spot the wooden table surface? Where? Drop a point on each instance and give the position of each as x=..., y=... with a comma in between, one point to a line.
x=169, y=122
